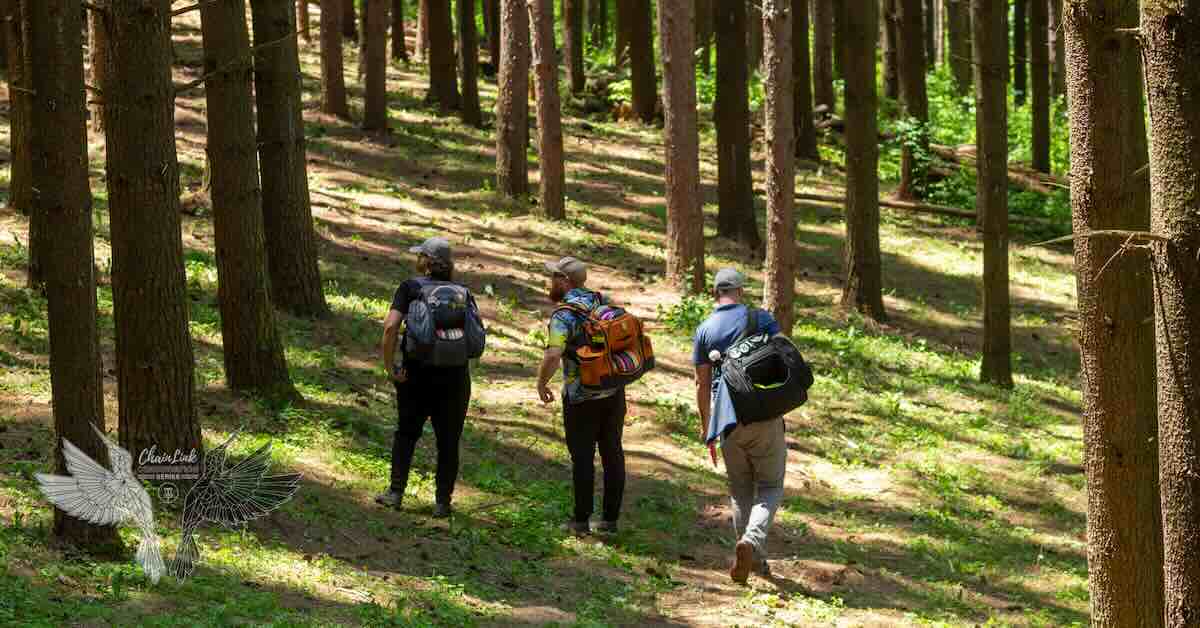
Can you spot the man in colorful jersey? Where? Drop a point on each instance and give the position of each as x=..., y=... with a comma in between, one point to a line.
x=591, y=418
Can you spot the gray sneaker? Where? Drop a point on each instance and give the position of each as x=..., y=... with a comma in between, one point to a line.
x=442, y=511
x=390, y=499
x=762, y=569
x=577, y=528
x=605, y=527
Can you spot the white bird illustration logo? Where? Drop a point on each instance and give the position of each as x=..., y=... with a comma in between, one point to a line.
x=104, y=497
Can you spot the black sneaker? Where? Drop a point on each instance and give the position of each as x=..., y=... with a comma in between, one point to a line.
x=442, y=511
x=577, y=528
x=390, y=499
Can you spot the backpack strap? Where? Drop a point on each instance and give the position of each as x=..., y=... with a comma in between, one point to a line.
x=751, y=327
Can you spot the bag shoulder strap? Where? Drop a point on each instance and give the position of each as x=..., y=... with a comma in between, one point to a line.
x=751, y=327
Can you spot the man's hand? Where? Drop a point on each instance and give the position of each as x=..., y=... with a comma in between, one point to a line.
x=550, y=361
x=399, y=375
x=544, y=392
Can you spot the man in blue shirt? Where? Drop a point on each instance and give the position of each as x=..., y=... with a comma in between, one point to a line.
x=756, y=454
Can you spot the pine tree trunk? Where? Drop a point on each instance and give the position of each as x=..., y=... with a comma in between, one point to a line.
x=399, y=45
x=1108, y=136
x=423, y=29
x=911, y=62
x=496, y=34
x=704, y=34
x=443, y=73
x=806, y=131
x=302, y=17
x=573, y=43
x=939, y=33
x=252, y=350
x=1170, y=32
x=512, y=100
x=361, y=66
x=20, y=183
x=641, y=61
x=349, y=20
x=1039, y=78
x=1058, y=56
x=778, y=95
x=153, y=347
x=333, y=81
x=754, y=40
x=685, y=219
x=549, y=110
x=60, y=174
x=735, y=193
x=929, y=32
x=891, y=69
x=96, y=61
x=863, y=290
x=625, y=11
x=989, y=18
x=287, y=214
x=375, y=19
x=468, y=64
x=822, y=17
x=958, y=34
x=598, y=21
x=1020, y=54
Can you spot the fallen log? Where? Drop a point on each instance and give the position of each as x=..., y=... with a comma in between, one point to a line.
x=922, y=208
x=1019, y=175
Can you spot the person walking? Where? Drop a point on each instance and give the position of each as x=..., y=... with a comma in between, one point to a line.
x=755, y=454
x=427, y=385
x=591, y=418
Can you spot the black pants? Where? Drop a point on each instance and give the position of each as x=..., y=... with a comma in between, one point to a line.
x=440, y=394
x=588, y=424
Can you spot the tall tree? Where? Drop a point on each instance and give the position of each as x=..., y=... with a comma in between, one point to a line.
x=573, y=43
x=1108, y=140
x=19, y=98
x=549, y=110
x=891, y=70
x=911, y=61
x=598, y=22
x=641, y=60
x=333, y=80
x=990, y=21
x=822, y=17
x=97, y=43
x=302, y=18
x=958, y=36
x=399, y=45
x=349, y=20
x=625, y=11
x=494, y=36
x=423, y=29
x=863, y=289
x=754, y=41
x=374, y=36
x=1039, y=79
x=1058, y=55
x=468, y=65
x=685, y=218
x=291, y=242
x=929, y=30
x=806, y=131
x=704, y=34
x=1020, y=48
x=252, y=350
x=443, y=75
x=780, y=124
x=153, y=348
x=1170, y=33
x=512, y=100
x=60, y=176
x=731, y=110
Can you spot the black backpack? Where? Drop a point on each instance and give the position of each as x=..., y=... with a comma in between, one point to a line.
x=766, y=376
x=443, y=327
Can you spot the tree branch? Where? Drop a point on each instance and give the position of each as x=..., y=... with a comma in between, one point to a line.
x=93, y=89
x=1102, y=233
x=95, y=8
x=233, y=64
x=192, y=7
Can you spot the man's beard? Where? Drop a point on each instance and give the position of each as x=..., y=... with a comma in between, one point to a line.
x=557, y=292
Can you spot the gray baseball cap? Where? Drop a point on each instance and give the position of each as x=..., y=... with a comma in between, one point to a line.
x=435, y=248
x=728, y=279
x=569, y=266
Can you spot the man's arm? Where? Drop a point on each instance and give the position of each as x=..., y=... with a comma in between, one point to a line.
x=704, y=395
x=550, y=361
x=391, y=332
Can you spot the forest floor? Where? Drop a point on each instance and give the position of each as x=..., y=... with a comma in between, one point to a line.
x=915, y=495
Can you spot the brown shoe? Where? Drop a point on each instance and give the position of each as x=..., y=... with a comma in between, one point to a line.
x=740, y=572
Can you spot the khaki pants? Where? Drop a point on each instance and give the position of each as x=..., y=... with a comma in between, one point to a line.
x=755, y=462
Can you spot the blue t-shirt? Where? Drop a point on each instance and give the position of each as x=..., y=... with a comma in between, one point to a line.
x=565, y=326
x=723, y=326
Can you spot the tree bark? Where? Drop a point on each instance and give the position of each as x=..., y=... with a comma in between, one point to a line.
x=989, y=18
x=494, y=37
x=735, y=192
x=333, y=80
x=863, y=289
x=754, y=40
x=958, y=35
x=891, y=70
x=780, y=282
x=399, y=44
x=153, y=347
x=1058, y=56
x=1170, y=34
x=806, y=131
x=349, y=20
x=443, y=73
x=20, y=178
x=512, y=100
x=423, y=29
x=641, y=61
x=573, y=43
x=96, y=61
x=302, y=18
x=252, y=350
x=60, y=175
x=361, y=66
x=549, y=110
x=375, y=22
x=598, y=22
x=625, y=10
x=685, y=218
x=1039, y=78
x=468, y=65
x=704, y=34
x=1108, y=137
x=822, y=17
x=929, y=31
x=1020, y=54
x=291, y=243
x=911, y=62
